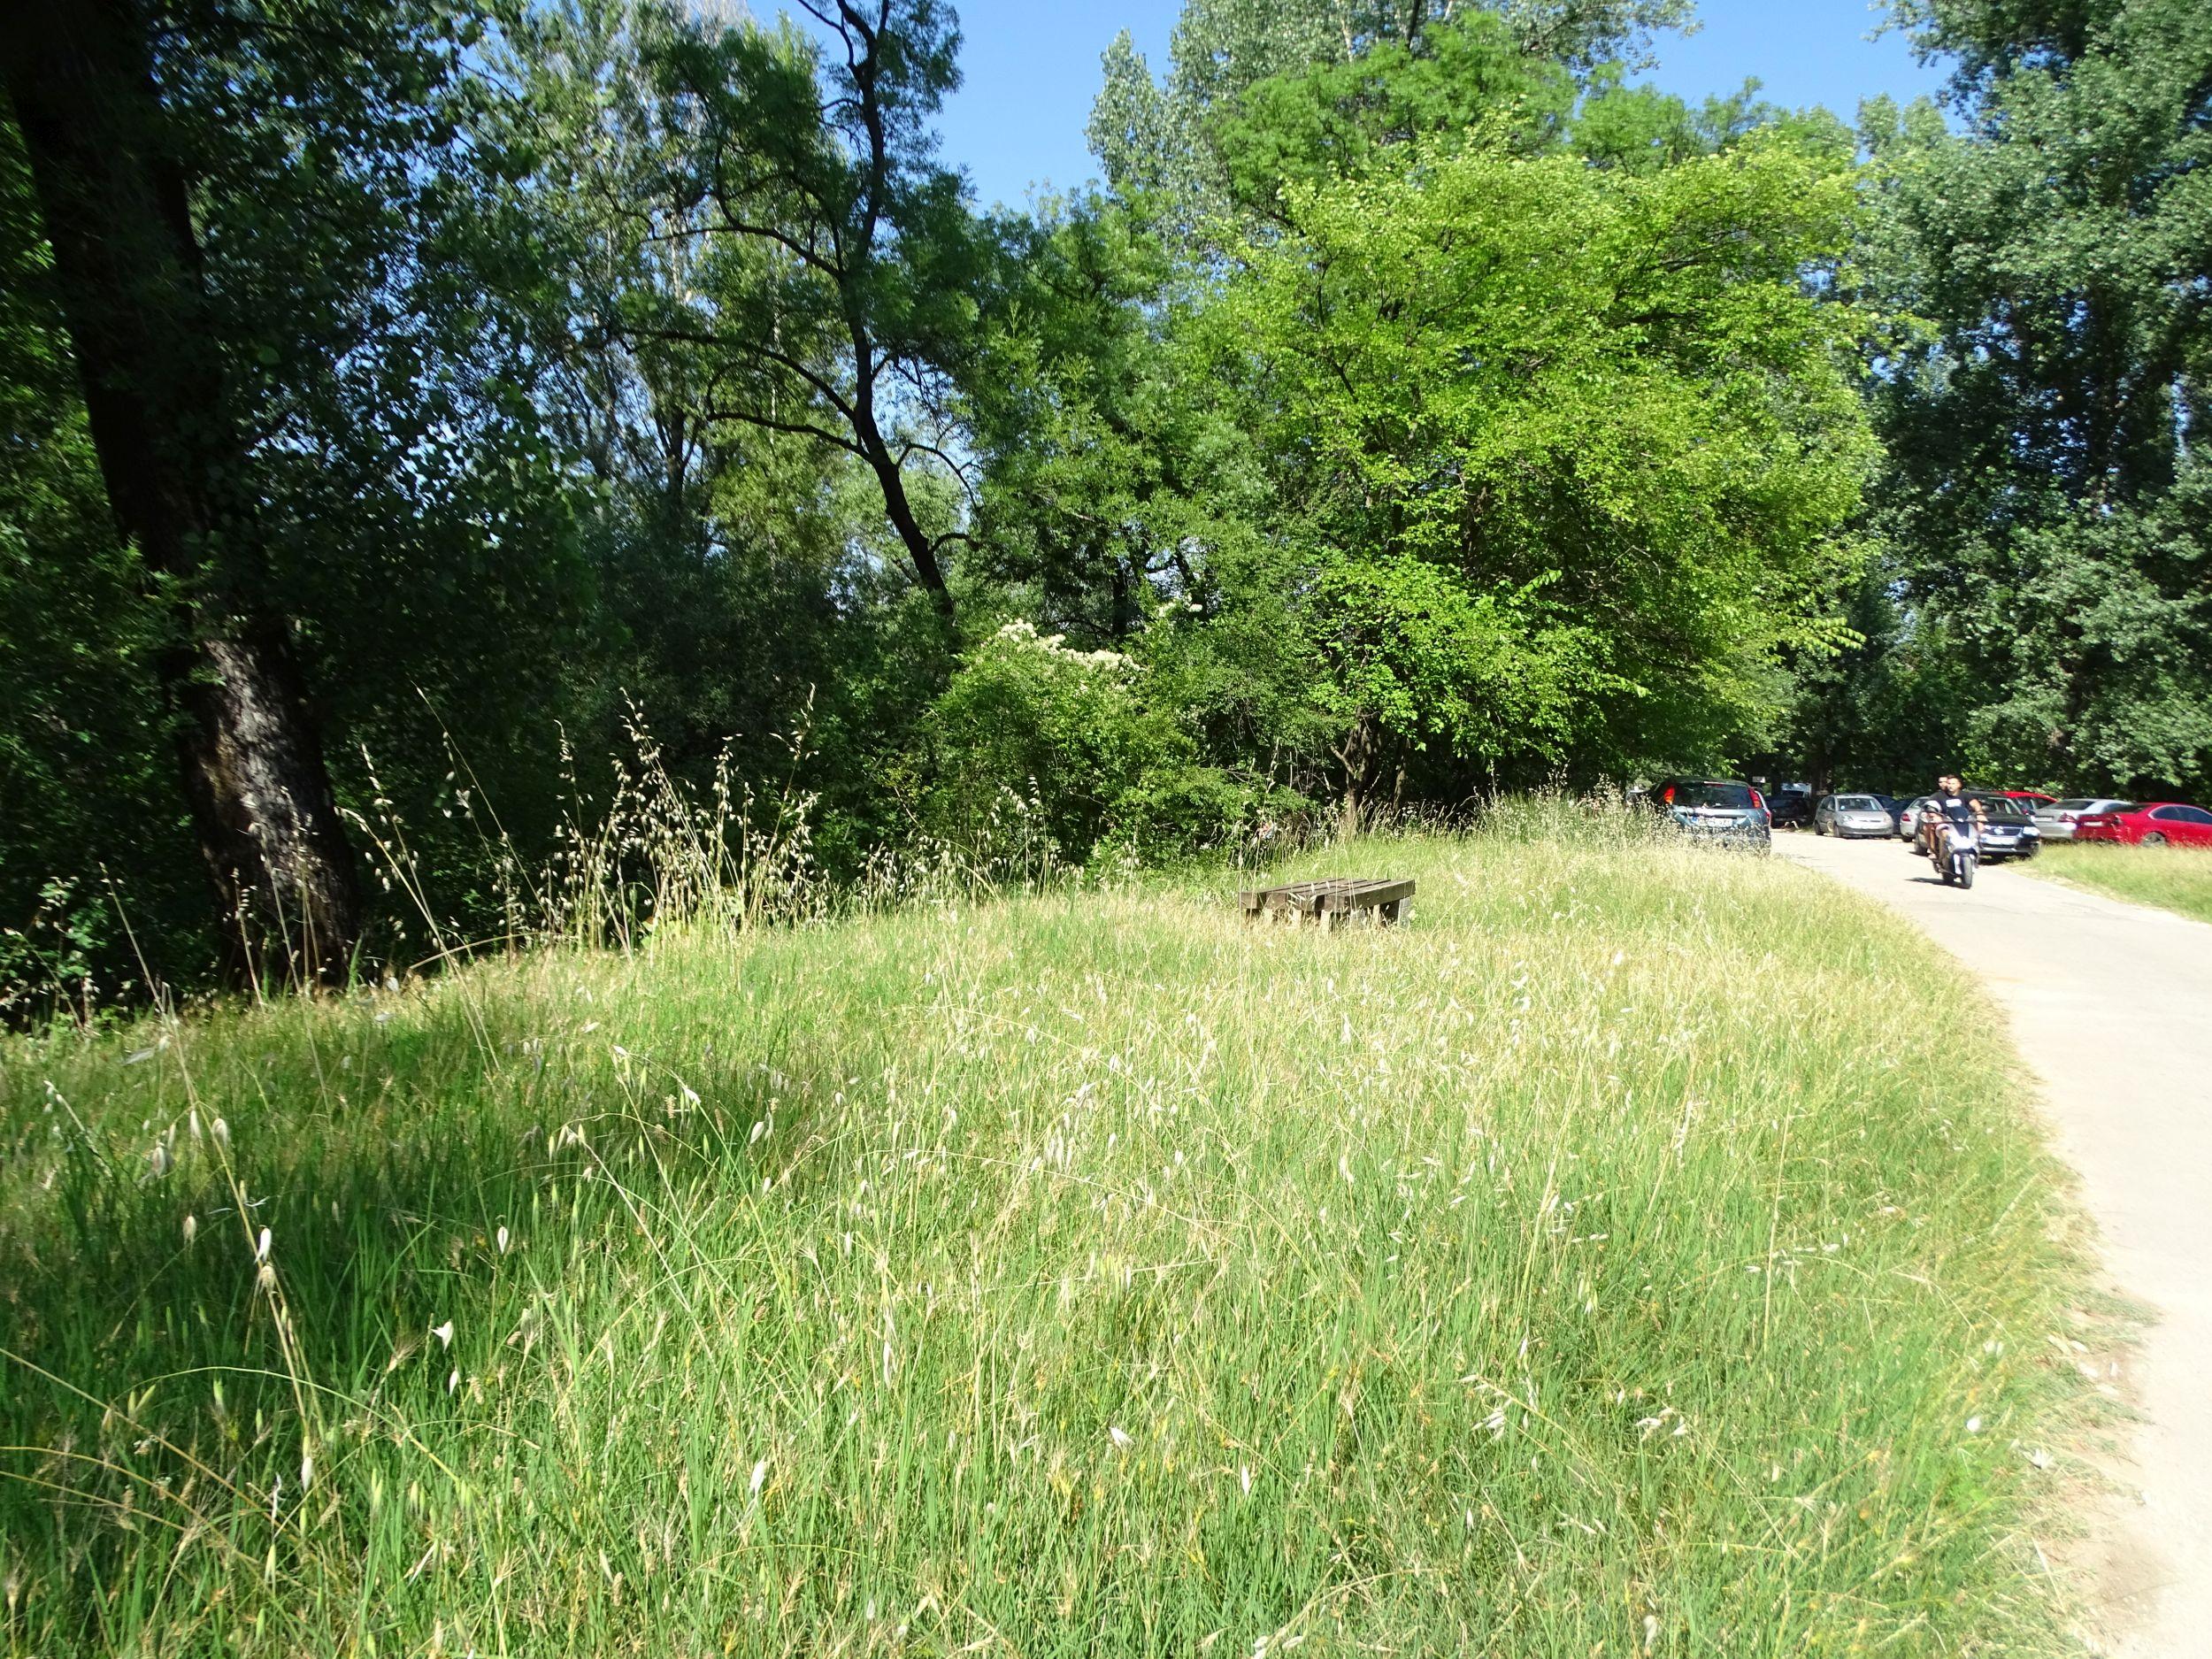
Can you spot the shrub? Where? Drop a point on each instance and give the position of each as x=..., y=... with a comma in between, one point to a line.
x=1181, y=809
x=1067, y=740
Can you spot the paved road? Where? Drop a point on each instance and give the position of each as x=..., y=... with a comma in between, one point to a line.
x=2112, y=1005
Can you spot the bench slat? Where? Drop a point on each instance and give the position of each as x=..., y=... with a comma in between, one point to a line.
x=1337, y=896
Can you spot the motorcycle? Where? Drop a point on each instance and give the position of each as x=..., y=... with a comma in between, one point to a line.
x=1955, y=850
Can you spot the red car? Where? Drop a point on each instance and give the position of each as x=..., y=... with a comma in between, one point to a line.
x=2149, y=823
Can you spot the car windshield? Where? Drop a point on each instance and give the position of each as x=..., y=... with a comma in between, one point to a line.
x=2072, y=806
x=1731, y=796
x=1857, y=804
x=1999, y=809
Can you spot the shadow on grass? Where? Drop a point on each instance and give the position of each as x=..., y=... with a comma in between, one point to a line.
x=228, y=1255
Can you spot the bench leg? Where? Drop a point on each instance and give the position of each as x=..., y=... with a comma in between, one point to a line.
x=1390, y=914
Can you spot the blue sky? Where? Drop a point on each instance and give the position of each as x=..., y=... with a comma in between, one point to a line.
x=1032, y=70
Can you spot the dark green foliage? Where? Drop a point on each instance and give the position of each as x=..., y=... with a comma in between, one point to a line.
x=821, y=259
x=87, y=773
x=1423, y=411
x=1108, y=458
x=1884, y=712
x=2045, y=509
x=379, y=298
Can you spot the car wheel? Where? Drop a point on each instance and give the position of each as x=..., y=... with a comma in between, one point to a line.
x=2154, y=839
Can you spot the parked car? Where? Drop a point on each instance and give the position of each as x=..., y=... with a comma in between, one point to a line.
x=2030, y=800
x=1716, y=808
x=2147, y=824
x=2056, y=821
x=2006, y=832
x=1789, y=808
x=2010, y=831
x=1850, y=816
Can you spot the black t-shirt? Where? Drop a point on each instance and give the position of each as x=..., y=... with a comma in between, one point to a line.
x=1953, y=807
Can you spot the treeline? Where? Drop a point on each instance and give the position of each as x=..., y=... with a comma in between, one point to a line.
x=403, y=404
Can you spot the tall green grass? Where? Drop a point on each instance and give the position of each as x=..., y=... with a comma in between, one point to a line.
x=2170, y=878
x=1607, y=1261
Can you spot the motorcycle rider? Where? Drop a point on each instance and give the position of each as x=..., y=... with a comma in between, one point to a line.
x=1948, y=810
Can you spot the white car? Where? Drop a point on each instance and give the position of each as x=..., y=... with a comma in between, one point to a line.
x=2055, y=818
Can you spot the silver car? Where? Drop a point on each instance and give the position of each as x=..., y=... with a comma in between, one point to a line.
x=2055, y=818
x=1908, y=821
x=1849, y=815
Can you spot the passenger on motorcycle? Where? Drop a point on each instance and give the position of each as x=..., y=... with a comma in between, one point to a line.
x=1948, y=810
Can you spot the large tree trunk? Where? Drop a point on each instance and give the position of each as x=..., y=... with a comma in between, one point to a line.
x=79, y=73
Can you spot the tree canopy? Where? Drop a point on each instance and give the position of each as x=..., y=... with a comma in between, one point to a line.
x=2044, y=507
x=1420, y=408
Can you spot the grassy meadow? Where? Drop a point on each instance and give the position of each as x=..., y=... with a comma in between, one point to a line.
x=1608, y=1262
x=2168, y=878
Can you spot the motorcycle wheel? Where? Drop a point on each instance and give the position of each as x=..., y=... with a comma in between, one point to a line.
x=1966, y=872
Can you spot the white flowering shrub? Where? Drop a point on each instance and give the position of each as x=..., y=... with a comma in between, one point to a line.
x=1071, y=734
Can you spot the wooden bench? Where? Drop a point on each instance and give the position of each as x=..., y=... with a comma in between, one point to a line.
x=1329, y=902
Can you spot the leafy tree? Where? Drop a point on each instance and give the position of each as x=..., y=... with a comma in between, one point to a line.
x=1169, y=139
x=1642, y=129
x=1107, y=458
x=1600, y=412
x=1335, y=120
x=797, y=261
x=1882, y=711
x=113, y=186
x=1031, y=740
x=2045, y=491
x=337, y=337
x=753, y=592
x=87, y=772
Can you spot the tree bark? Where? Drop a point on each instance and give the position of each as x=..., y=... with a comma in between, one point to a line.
x=891, y=480
x=1359, y=756
x=115, y=207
